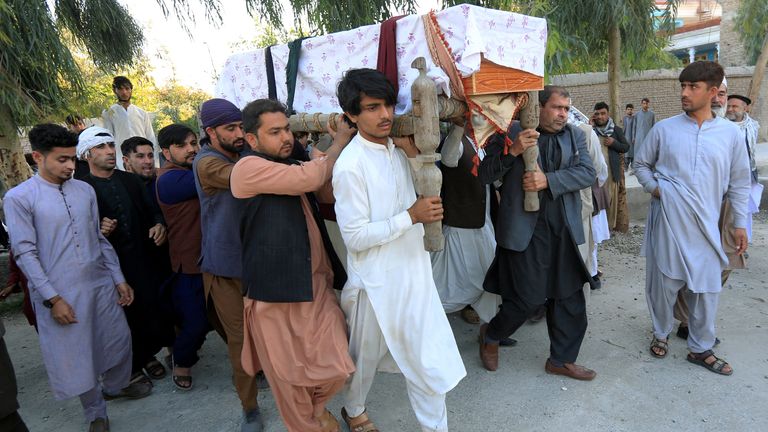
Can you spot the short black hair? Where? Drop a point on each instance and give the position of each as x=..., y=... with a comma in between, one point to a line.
x=703, y=71
x=549, y=90
x=44, y=137
x=73, y=119
x=173, y=134
x=645, y=100
x=121, y=81
x=129, y=146
x=629, y=106
x=253, y=111
x=602, y=105
x=368, y=82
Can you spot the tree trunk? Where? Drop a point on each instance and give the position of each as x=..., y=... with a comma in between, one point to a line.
x=614, y=70
x=759, y=73
x=13, y=167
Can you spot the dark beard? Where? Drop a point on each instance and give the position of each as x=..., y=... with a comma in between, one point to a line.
x=229, y=147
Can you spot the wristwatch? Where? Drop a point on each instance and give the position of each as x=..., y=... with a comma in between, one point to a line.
x=49, y=304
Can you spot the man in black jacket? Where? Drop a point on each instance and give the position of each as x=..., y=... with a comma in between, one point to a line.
x=135, y=228
x=537, y=261
x=614, y=145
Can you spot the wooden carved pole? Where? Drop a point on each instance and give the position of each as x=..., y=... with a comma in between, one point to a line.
x=426, y=130
x=529, y=119
x=403, y=125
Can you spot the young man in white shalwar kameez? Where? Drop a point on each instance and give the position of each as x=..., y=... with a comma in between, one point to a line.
x=689, y=163
x=395, y=317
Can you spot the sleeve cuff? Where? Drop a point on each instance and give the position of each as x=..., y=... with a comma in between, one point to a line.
x=739, y=222
x=400, y=222
x=651, y=186
x=47, y=292
x=552, y=193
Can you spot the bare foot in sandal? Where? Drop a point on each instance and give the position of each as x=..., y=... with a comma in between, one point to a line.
x=328, y=422
x=182, y=377
x=360, y=423
x=710, y=361
x=659, y=347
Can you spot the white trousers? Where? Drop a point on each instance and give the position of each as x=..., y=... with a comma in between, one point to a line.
x=368, y=348
x=661, y=294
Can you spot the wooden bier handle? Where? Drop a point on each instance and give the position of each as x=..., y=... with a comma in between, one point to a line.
x=529, y=120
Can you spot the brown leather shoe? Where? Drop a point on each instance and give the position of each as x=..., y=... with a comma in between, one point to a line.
x=489, y=353
x=571, y=370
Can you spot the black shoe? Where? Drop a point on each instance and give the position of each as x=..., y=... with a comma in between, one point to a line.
x=538, y=315
x=135, y=390
x=596, y=283
x=508, y=342
x=261, y=381
x=99, y=425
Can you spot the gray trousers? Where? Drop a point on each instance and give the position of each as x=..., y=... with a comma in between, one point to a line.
x=662, y=293
x=94, y=405
x=681, y=307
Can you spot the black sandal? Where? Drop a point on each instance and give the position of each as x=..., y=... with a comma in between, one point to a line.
x=716, y=366
x=155, y=369
x=183, y=382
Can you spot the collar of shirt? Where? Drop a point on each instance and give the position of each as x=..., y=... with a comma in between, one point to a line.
x=389, y=147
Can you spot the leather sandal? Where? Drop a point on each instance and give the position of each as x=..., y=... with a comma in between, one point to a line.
x=328, y=422
x=716, y=365
x=661, y=345
x=362, y=422
x=155, y=369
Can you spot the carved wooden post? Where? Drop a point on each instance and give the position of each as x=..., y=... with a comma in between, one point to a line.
x=402, y=126
x=529, y=119
x=426, y=129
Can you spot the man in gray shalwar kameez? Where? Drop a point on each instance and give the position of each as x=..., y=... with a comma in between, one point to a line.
x=642, y=124
x=75, y=282
x=689, y=162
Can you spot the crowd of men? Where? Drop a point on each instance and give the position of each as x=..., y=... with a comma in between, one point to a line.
x=230, y=234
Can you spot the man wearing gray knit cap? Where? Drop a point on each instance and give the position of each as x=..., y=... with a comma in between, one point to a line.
x=220, y=259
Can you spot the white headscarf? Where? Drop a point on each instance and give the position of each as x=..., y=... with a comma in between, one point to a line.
x=90, y=138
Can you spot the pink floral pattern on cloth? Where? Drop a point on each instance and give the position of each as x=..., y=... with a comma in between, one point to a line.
x=472, y=32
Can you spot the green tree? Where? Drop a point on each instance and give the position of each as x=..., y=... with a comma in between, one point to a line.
x=268, y=35
x=37, y=70
x=752, y=19
x=590, y=35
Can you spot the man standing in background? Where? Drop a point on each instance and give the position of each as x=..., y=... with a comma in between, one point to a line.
x=644, y=121
x=125, y=120
x=628, y=123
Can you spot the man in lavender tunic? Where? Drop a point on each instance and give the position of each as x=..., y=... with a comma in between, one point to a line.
x=76, y=286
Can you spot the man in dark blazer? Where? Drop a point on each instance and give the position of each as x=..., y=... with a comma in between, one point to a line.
x=537, y=261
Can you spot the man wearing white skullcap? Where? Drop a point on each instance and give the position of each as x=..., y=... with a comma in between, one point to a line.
x=136, y=229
